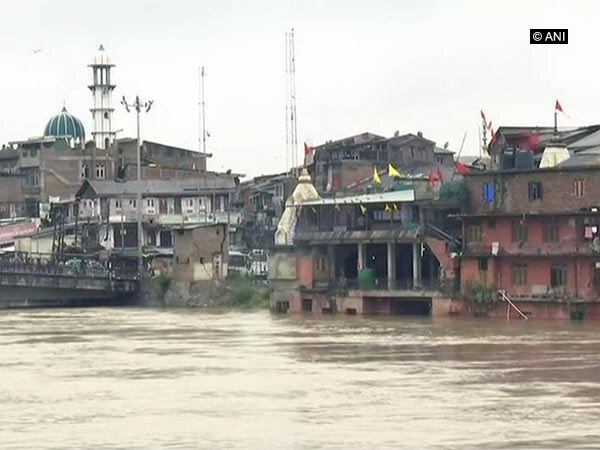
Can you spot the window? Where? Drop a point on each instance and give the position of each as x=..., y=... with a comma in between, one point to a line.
x=117, y=204
x=488, y=191
x=519, y=231
x=149, y=203
x=550, y=231
x=84, y=171
x=534, y=191
x=32, y=178
x=519, y=274
x=558, y=275
x=483, y=264
x=474, y=233
x=132, y=203
x=100, y=171
x=412, y=151
x=189, y=202
x=579, y=188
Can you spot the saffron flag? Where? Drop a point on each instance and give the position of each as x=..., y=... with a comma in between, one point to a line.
x=376, y=177
x=461, y=168
x=558, y=107
x=308, y=155
x=392, y=171
x=387, y=207
x=431, y=177
x=440, y=174
x=363, y=209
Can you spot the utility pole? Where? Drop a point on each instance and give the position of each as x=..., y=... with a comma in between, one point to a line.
x=139, y=106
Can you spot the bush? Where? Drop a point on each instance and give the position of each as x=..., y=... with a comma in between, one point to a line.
x=482, y=294
x=247, y=294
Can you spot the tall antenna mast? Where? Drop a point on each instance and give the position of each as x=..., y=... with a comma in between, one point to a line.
x=294, y=118
x=202, y=124
x=287, y=102
x=291, y=119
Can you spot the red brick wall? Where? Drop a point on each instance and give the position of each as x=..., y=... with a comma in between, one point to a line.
x=511, y=191
x=580, y=275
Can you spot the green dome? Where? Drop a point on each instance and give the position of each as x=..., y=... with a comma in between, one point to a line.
x=65, y=125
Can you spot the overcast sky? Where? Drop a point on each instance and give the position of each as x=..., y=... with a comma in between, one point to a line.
x=375, y=65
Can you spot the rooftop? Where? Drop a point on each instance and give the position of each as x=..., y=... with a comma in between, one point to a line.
x=188, y=187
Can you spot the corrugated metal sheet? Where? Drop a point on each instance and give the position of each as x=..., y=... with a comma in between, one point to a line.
x=395, y=235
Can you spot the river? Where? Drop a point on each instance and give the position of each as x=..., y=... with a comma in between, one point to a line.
x=110, y=378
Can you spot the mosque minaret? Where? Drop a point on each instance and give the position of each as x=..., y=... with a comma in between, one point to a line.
x=102, y=87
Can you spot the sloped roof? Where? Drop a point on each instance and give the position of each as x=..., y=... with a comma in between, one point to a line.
x=190, y=187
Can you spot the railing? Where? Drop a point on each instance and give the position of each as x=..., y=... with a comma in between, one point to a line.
x=72, y=266
x=510, y=304
x=382, y=284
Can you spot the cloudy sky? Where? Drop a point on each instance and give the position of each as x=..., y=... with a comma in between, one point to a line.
x=375, y=65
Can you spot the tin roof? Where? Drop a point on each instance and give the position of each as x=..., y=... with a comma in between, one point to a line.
x=394, y=235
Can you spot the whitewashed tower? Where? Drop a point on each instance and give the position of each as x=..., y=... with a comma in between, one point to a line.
x=102, y=106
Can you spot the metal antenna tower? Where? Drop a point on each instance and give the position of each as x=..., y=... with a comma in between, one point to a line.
x=291, y=130
x=202, y=115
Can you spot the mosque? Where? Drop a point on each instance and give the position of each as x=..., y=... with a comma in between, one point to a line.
x=50, y=168
x=68, y=127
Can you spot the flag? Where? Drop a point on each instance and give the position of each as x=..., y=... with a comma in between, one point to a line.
x=493, y=141
x=440, y=174
x=483, y=116
x=461, y=168
x=313, y=209
x=376, y=177
x=338, y=207
x=363, y=209
x=558, y=107
x=307, y=149
x=392, y=171
x=432, y=177
x=395, y=207
x=489, y=127
x=387, y=207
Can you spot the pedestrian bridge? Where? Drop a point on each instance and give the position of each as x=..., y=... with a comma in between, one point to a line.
x=33, y=281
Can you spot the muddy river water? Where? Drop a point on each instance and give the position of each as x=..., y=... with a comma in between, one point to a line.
x=183, y=379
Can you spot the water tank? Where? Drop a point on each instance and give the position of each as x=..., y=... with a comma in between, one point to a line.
x=366, y=278
x=508, y=158
x=524, y=160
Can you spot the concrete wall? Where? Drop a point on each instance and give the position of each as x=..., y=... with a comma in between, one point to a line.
x=196, y=251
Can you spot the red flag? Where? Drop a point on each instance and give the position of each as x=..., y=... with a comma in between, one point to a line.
x=461, y=168
x=307, y=149
x=431, y=177
x=482, y=116
x=558, y=107
x=493, y=137
x=489, y=127
x=440, y=174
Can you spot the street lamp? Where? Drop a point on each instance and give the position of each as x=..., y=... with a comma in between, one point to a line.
x=139, y=106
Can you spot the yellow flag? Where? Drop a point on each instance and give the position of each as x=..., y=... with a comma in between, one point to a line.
x=363, y=209
x=376, y=177
x=313, y=209
x=395, y=207
x=392, y=171
x=387, y=207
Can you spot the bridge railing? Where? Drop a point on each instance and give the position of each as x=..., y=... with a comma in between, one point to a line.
x=67, y=266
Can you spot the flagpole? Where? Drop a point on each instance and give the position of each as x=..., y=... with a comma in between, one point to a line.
x=555, y=121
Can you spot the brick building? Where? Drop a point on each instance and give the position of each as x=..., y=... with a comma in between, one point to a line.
x=536, y=234
x=338, y=164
